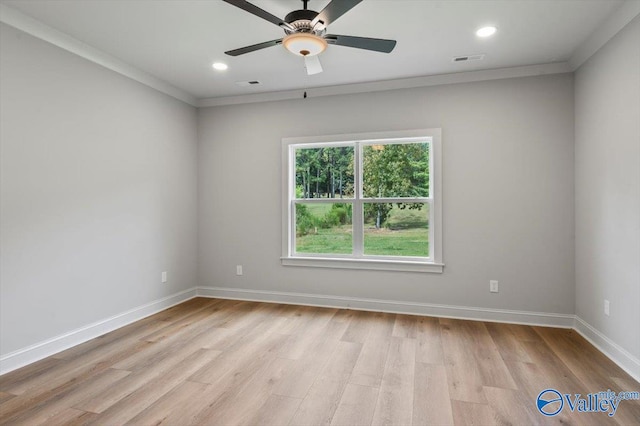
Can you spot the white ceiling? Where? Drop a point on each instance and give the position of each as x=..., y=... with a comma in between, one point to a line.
x=177, y=41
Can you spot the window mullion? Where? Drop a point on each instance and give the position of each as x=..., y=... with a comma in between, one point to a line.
x=358, y=214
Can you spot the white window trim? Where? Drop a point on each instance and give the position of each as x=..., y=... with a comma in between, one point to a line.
x=434, y=264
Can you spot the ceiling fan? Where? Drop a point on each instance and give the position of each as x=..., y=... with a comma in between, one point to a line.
x=306, y=32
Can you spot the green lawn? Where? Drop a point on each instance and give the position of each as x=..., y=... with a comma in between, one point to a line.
x=405, y=242
x=406, y=234
x=336, y=240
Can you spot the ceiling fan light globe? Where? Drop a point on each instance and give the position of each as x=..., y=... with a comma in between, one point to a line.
x=304, y=44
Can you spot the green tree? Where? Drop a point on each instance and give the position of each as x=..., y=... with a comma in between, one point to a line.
x=394, y=170
x=325, y=172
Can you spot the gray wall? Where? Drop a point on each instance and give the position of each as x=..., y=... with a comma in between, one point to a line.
x=98, y=192
x=607, y=175
x=508, y=192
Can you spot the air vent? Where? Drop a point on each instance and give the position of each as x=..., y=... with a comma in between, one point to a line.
x=468, y=58
x=248, y=83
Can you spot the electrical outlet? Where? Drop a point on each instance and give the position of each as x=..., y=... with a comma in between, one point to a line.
x=164, y=277
x=493, y=286
x=238, y=269
x=606, y=307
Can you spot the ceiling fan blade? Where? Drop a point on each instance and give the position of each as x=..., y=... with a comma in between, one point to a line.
x=255, y=10
x=312, y=63
x=253, y=47
x=334, y=10
x=376, y=44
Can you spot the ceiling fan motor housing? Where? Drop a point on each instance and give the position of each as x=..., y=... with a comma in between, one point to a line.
x=300, y=20
x=300, y=15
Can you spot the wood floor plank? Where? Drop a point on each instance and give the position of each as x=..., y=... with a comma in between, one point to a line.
x=202, y=335
x=586, y=362
x=276, y=411
x=70, y=417
x=234, y=366
x=246, y=315
x=382, y=325
x=512, y=407
x=524, y=333
x=589, y=366
x=406, y=326
x=102, y=356
x=131, y=332
x=320, y=403
x=139, y=328
x=304, y=372
x=395, y=399
x=236, y=335
x=431, y=401
x=4, y=396
x=463, y=371
x=298, y=344
x=470, y=413
x=137, y=401
x=41, y=413
x=343, y=359
x=373, y=357
x=359, y=326
x=239, y=405
x=553, y=370
x=245, y=363
x=356, y=406
x=429, y=345
x=369, y=367
x=140, y=377
x=296, y=317
x=531, y=379
x=507, y=341
x=69, y=376
x=15, y=380
x=493, y=370
x=207, y=311
x=178, y=407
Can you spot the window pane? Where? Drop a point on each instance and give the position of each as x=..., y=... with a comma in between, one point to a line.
x=395, y=170
x=324, y=172
x=396, y=229
x=324, y=228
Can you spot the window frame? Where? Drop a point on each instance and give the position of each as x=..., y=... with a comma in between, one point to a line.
x=357, y=259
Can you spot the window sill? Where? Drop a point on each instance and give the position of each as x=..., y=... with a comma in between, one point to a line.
x=369, y=264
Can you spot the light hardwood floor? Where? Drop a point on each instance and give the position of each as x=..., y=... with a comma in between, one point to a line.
x=210, y=361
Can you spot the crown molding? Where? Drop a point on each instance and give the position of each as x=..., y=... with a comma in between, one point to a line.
x=35, y=28
x=611, y=26
x=605, y=32
x=405, y=83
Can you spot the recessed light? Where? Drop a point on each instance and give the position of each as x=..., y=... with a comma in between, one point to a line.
x=220, y=66
x=486, y=31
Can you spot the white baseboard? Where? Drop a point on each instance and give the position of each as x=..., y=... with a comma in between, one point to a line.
x=612, y=350
x=38, y=351
x=397, y=307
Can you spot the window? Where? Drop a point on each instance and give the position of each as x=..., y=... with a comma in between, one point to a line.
x=367, y=201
